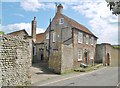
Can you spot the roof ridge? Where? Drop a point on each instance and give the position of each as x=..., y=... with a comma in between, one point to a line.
x=18, y=31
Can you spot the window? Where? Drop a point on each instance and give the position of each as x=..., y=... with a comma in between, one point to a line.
x=87, y=39
x=61, y=20
x=80, y=37
x=54, y=36
x=92, y=55
x=47, y=36
x=92, y=40
x=79, y=54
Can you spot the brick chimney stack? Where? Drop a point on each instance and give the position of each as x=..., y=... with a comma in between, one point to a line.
x=59, y=8
x=33, y=32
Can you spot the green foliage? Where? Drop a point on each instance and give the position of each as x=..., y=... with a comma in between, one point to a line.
x=114, y=6
x=117, y=47
x=1, y=32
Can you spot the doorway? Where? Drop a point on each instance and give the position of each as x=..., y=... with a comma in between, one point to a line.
x=108, y=59
x=86, y=56
x=41, y=54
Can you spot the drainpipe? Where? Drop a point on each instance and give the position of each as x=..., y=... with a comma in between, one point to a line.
x=49, y=40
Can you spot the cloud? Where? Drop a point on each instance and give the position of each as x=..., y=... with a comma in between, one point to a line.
x=18, y=15
x=31, y=5
x=36, y=5
x=104, y=24
x=20, y=26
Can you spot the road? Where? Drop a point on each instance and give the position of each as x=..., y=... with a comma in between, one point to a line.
x=107, y=76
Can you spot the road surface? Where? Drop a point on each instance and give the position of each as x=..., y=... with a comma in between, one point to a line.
x=107, y=76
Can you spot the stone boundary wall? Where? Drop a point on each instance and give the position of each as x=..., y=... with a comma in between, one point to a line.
x=55, y=62
x=67, y=58
x=15, y=61
x=61, y=61
x=115, y=59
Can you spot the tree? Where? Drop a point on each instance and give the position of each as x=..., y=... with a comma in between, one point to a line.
x=1, y=32
x=114, y=6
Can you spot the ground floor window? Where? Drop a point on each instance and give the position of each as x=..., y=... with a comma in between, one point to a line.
x=79, y=54
x=92, y=55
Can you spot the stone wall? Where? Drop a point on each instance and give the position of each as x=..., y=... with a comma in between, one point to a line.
x=62, y=61
x=67, y=58
x=115, y=57
x=15, y=61
x=55, y=61
x=100, y=50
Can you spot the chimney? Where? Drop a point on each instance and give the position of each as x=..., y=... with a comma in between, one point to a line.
x=33, y=31
x=59, y=8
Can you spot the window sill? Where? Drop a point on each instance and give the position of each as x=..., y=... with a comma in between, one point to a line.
x=80, y=60
x=79, y=42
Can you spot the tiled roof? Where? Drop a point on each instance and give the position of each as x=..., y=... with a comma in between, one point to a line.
x=40, y=37
x=77, y=25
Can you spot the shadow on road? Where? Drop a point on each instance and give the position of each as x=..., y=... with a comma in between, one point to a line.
x=42, y=68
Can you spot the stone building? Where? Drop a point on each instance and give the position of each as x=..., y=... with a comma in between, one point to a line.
x=107, y=54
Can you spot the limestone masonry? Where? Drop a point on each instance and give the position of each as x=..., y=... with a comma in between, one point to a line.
x=15, y=61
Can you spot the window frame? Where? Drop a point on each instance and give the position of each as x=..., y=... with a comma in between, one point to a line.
x=92, y=55
x=47, y=35
x=54, y=37
x=61, y=21
x=87, y=39
x=92, y=40
x=80, y=37
x=80, y=52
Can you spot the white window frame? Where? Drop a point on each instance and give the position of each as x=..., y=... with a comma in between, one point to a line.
x=54, y=36
x=92, y=55
x=61, y=21
x=79, y=54
x=92, y=40
x=87, y=39
x=47, y=35
x=80, y=37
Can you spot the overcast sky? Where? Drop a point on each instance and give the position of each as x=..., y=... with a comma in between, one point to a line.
x=94, y=14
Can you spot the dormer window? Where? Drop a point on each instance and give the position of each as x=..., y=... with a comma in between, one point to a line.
x=61, y=21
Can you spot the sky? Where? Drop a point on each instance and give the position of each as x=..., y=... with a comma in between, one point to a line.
x=93, y=14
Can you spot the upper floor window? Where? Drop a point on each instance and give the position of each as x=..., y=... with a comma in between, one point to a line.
x=47, y=36
x=54, y=36
x=80, y=37
x=92, y=40
x=87, y=39
x=61, y=21
x=79, y=54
